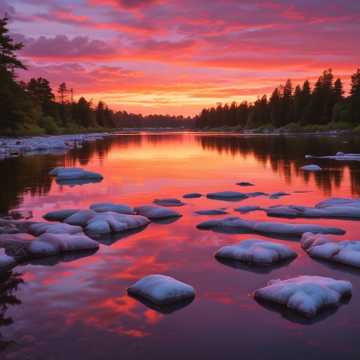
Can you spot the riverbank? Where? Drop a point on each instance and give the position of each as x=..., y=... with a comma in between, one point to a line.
x=56, y=144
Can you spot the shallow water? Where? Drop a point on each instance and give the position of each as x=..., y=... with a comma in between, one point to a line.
x=77, y=308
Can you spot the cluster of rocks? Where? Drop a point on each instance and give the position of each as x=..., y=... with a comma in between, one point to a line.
x=74, y=230
x=10, y=147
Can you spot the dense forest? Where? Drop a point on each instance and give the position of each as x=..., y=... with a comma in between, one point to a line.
x=32, y=108
x=323, y=107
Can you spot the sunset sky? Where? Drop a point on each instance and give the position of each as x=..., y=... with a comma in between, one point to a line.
x=178, y=56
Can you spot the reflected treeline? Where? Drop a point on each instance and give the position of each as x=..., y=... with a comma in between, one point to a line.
x=286, y=154
x=9, y=283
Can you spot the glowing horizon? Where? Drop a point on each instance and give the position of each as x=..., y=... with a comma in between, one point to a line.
x=177, y=57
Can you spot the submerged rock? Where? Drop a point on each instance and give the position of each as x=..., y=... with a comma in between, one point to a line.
x=154, y=212
x=247, y=209
x=238, y=225
x=227, y=196
x=311, y=167
x=211, y=212
x=117, y=208
x=244, y=183
x=192, y=196
x=168, y=202
x=305, y=294
x=59, y=215
x=161, y=290
x=321, y=247
x=256, y=252
x=278, y=195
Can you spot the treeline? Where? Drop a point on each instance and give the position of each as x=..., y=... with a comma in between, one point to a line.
x=320, y=106
x=32, y=108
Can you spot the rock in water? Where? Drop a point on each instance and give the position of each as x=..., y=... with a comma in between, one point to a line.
x=305, y=294
x=117, y=208
x=154, y=212
x=256, y=252
x=168, y=202
x=238, y=225
x=60, y=215
x=278, y=195
x=75, y=176
x=227, y=196
x=37, y=229
x=311, y=167
x=6, y=262
x=55, y=244
x=321, y=247
x=106, y=222
x=247, y=209
x=211, y=212
x=245, y=183
x=21, y=214
x=192, y=196
x=161, y=290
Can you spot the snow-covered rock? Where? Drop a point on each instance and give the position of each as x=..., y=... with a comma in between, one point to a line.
x=278, y=195
x=54, y=244
x=40, y=228
x=192, y=196
x=311, y=167
x=246, y=209
x=238, y=225
x=305, y=294
x=321, y=247
x=256, y=252
x=211, y=212
x=168, y=202
x=75, y=176
x=59, y=215
x=6, y=262
x=106, y=222
x=245, y=183
x=155, y=212
x=333, y=208
x=227, y=196
x=118, y=208
x=161, y=290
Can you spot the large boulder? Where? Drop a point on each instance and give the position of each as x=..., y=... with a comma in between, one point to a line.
x=256, y=252
x=161, y=290
x=59, y=215
x=319, y=246
x=40, y=228
x=306, y=295
x=75, y=176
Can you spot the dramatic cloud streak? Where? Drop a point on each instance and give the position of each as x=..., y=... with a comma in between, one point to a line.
x=179, y=55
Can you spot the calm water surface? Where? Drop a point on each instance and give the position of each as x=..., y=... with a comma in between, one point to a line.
x=77, y=308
